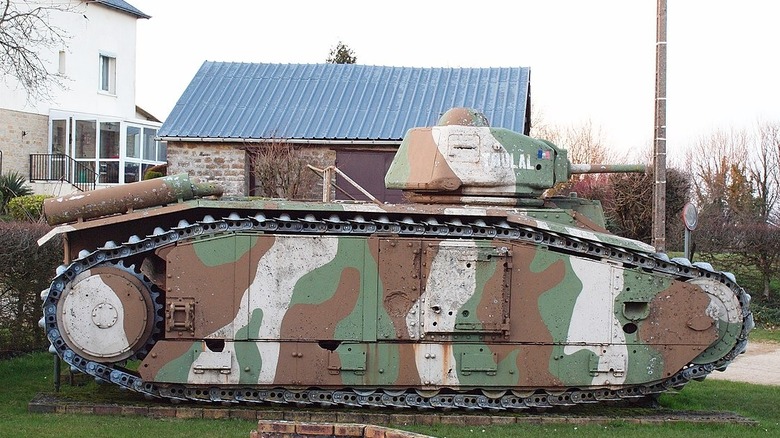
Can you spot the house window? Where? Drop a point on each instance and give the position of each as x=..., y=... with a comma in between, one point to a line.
x=108, y=74
x=61, y=69
x=109, y=153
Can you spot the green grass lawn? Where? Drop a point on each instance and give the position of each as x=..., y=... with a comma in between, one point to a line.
x=24, y=377
x=764, y=335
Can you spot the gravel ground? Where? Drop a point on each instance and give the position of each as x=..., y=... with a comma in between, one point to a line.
x=760, y=364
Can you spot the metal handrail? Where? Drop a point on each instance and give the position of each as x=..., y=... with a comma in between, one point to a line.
x=61, y=167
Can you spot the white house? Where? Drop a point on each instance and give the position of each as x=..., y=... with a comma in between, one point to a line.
x=91, y=132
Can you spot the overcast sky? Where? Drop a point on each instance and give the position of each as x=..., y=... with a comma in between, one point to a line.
x=589, y=60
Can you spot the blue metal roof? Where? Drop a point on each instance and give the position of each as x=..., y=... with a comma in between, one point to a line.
x=228, y=100
x=124, y=7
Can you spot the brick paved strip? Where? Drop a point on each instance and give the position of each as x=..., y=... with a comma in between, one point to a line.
x=271, y=426
x=189, y=413
x=107, y=410
x=348, y=430
x=243, y=414
x=162, y=412
x=142, y=411
x=314, y=429
x=41, y=408
x=47, y=403
x=215, y=414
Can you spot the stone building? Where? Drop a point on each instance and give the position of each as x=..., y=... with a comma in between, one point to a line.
x=350, y=116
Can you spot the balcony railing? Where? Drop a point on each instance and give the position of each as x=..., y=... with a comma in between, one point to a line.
x=61, y=167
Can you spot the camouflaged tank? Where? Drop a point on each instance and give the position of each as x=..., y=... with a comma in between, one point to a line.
x=480, y=294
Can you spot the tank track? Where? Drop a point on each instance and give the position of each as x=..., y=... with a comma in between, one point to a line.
x=406, y=227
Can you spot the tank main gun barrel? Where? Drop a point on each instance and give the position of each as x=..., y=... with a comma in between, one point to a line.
x=123, y=198
x=607, y=168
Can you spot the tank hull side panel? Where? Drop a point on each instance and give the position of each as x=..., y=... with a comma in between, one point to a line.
x=385, y=311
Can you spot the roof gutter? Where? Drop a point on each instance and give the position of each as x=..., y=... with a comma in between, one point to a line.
x=290, y=141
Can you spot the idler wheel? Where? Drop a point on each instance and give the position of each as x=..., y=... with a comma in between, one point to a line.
x=725, y=312
x=106, y=313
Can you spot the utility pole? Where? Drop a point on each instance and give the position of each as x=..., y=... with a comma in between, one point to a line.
x=659, y=155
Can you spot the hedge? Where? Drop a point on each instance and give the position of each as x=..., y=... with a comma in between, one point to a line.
x=25, y=270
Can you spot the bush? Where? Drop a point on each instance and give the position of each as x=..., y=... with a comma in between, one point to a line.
x=12, y=184
x=27, y=208
x=766, y=312
x=25, y=270
x=150, y=174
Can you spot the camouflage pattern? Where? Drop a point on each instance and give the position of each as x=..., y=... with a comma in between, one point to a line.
x=406, y=312
x=292, y=301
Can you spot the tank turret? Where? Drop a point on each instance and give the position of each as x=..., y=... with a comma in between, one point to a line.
x=464, y=160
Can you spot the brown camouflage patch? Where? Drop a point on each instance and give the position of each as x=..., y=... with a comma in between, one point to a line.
x=667, y=325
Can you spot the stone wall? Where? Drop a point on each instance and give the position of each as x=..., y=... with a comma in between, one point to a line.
x=22, y=134
x=223, y=163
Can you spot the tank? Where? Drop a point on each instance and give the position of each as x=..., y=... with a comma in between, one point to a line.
x=480, y=293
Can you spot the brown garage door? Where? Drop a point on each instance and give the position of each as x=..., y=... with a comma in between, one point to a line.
x=368, y=169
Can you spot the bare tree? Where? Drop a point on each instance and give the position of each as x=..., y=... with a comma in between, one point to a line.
x=585, y=143
x=280, y=170
x=710, y=160
x=765, y=169
x=26, y=32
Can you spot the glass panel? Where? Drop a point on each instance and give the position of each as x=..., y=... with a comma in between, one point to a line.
x=133, y=142
x=85, y=139
x=109, y=172
x=149, y=144
x=108, y=74
x=162, y=151
x=109, y=140
x=104, y=73
x=59, y=136
x=132, y=172
x=84, y=171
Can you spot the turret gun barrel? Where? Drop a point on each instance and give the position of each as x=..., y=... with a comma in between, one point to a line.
x=607, y=168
